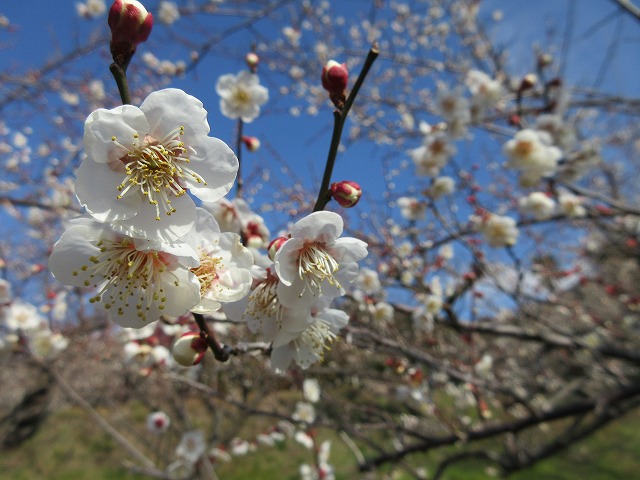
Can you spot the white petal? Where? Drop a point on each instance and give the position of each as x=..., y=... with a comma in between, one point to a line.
x=215, y=162
x=281, y=357
x=121, y=122
x=286, y=260
x=171, y=108
x=319, y=226
x=71, y=253
x=169, y=228
x=348, y=249
x=184, y=296
x=96, y=189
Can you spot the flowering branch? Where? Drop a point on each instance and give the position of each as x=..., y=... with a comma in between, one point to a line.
x=339, y=118
x=221, y=353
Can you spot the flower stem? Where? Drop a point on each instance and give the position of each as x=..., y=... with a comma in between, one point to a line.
x=239, y=181
x=221, y=353
x=120, y=75
x=339, y=118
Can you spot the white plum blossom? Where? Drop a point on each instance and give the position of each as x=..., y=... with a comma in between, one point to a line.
x=304, y=412
x=47, y=344
x=91, y=9
x=142, y=161
x=562, y=133
x=137, y=280
x=433, y=155
x=304, y=439
x=484, y=366
x=315, y=261
x=236, y=216
x=571, y=205
x=412, y=208
x=303, y=336
x=311, y=390
x=191, y=446
x=531, y=152
x=168, y=12
x=225, y=265
x=368, y=281
x=20, y=316
x=456, y=110
x=158, y=422
x=239, y=447
x=423, y=317
x=322, y=470
x=442, y=186
x=538, y=204
x=383, y=312
x=485, y=91
x=241, y=95
x=498, y=230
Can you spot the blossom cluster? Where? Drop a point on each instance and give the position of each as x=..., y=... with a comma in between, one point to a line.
x=23, y=327
x=149, y=251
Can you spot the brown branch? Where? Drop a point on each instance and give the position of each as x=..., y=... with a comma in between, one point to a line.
x=600, y=406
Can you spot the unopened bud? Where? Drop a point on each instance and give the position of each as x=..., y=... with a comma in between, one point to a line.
x=335, y=78
x=252, y=143
x=544, y=60
x=252, y=60
x=189, y=349
x=275, y=245
x=528, y=81
x=130, y=25
x=346, y=193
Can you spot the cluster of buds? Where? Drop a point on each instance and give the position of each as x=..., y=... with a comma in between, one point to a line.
x=335, y=78
x=130, y=25
x=346, y=193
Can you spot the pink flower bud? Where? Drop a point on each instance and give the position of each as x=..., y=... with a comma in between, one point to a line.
x=158, y=422
x=130, y=25
x=528, y=82
x=275, y=245
x=252, y=60
x=252, y=143
x=189, y=349
x=335, y=78
x=346, y=193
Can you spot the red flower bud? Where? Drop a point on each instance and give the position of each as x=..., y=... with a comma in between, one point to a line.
x=346, y=193
x=252, y=60
x=528, y=81
x=189, y=349
x=335, y=78
x=252, y=143
x=130, y=25
x=275, y=245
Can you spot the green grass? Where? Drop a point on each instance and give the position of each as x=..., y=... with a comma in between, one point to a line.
x=69, y=447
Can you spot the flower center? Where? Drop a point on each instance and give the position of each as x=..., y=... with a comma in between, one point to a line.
x=207, y=272
x=241, y=97
x=317, y=337
x=131, y=276
x=524, y=148
x=157, y=169
x=263, y=300
x=315, y=265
